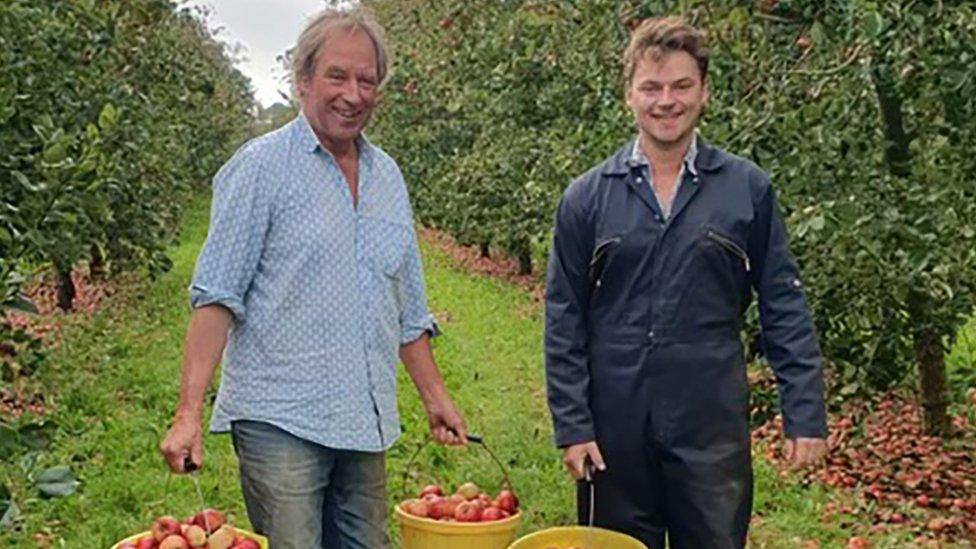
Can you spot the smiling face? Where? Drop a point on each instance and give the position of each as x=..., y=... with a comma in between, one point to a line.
x=666, y=96
x=338, y=97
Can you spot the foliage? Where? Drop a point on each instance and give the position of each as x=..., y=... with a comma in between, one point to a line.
x=117, y=377
x=109, y=113
x=861, y=111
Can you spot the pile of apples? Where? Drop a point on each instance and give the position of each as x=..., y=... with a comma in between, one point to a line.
x=207, y=529
x=468, y=504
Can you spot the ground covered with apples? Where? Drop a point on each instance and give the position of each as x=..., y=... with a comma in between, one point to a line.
x=104, y=393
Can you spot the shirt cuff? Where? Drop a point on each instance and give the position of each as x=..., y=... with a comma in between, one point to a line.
x=200, y=297
x=413, y=331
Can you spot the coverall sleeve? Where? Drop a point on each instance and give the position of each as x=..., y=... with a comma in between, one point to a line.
x=566, y=348
x=788, y=335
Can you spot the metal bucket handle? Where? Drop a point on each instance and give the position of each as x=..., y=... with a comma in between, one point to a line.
x=471, y=438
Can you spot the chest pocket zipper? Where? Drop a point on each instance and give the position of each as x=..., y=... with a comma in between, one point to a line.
x=599, y=260
x=730, y=246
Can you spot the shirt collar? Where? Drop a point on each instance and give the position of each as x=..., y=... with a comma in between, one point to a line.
x=637, y=157
x=310, y=143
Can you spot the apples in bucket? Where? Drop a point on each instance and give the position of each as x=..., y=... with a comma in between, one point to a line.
x=467, y=504
x=207, y=529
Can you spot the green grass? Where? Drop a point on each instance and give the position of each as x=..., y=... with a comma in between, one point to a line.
x=113, y=381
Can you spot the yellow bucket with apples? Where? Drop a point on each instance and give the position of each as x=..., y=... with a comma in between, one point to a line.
x=583, y=537
x=420, y=532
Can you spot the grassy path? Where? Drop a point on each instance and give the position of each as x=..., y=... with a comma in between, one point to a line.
x=114, y=382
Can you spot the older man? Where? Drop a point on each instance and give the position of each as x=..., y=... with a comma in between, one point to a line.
x=655, y=255
x=311, y=264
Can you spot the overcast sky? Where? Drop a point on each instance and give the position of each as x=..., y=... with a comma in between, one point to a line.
x=265, y=28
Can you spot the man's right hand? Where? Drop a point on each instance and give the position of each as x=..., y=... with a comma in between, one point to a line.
x=183, y=439
x=575, y=456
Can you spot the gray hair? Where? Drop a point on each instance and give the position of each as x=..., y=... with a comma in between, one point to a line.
x=325, y=24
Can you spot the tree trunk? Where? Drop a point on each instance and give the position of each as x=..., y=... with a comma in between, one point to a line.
x=96, y=265
x=525, y=261
x=66, y=289
x=485, y=252
x=929, y=354
x=932, y=381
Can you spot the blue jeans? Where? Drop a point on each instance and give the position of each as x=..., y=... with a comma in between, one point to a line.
x=305, y=496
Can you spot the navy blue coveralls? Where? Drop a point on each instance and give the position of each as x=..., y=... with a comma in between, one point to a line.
x=642, y=343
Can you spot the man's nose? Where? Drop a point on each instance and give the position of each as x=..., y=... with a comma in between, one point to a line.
x=666, y=97
x=350, y=91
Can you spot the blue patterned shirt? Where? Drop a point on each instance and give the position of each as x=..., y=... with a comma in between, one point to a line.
x=322, y=293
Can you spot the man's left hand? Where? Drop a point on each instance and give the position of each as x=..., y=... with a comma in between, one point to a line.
x=446, y=425
x=802, y=452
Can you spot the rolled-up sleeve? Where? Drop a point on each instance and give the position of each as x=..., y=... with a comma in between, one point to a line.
x=566, y=345
x=415, y=319
x=239, y=220
x=788, y=335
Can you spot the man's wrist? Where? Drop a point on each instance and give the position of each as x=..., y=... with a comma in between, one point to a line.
x=189, y=414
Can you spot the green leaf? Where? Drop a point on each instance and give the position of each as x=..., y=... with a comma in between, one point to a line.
x=57, y=482
x=22, y=303
x=9, y=443
x=37, y=436
x=108, y=117
x=56, y=153
x=8, y=509
x=873, y=24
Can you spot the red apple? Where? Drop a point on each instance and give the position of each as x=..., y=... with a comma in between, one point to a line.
x=416, y=507
x=431, y=489
x=507, y=501
x=147, y=542
x=195, y=535
x=209, y=519
x=431, y=498
x=492, y=513
x=246, y=544
x=223, y=538
x=174, y=541
x=468, y=490
x=442, y=508
x=164, y=527
x=467, y=512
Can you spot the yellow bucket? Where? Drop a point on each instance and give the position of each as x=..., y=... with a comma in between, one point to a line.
x=262, y=541
x=425, y=533
x=568, y=536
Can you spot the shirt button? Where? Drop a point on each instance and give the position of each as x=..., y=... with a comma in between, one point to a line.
x=657, y=218
x=640, y=179
x=650, y=335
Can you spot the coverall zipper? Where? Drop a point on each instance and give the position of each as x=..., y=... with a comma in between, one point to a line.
x=730, y=246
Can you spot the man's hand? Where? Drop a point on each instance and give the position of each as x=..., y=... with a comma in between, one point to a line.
x=183, y=439
x=802, y=452
x=575, y=456
x=446, y=425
